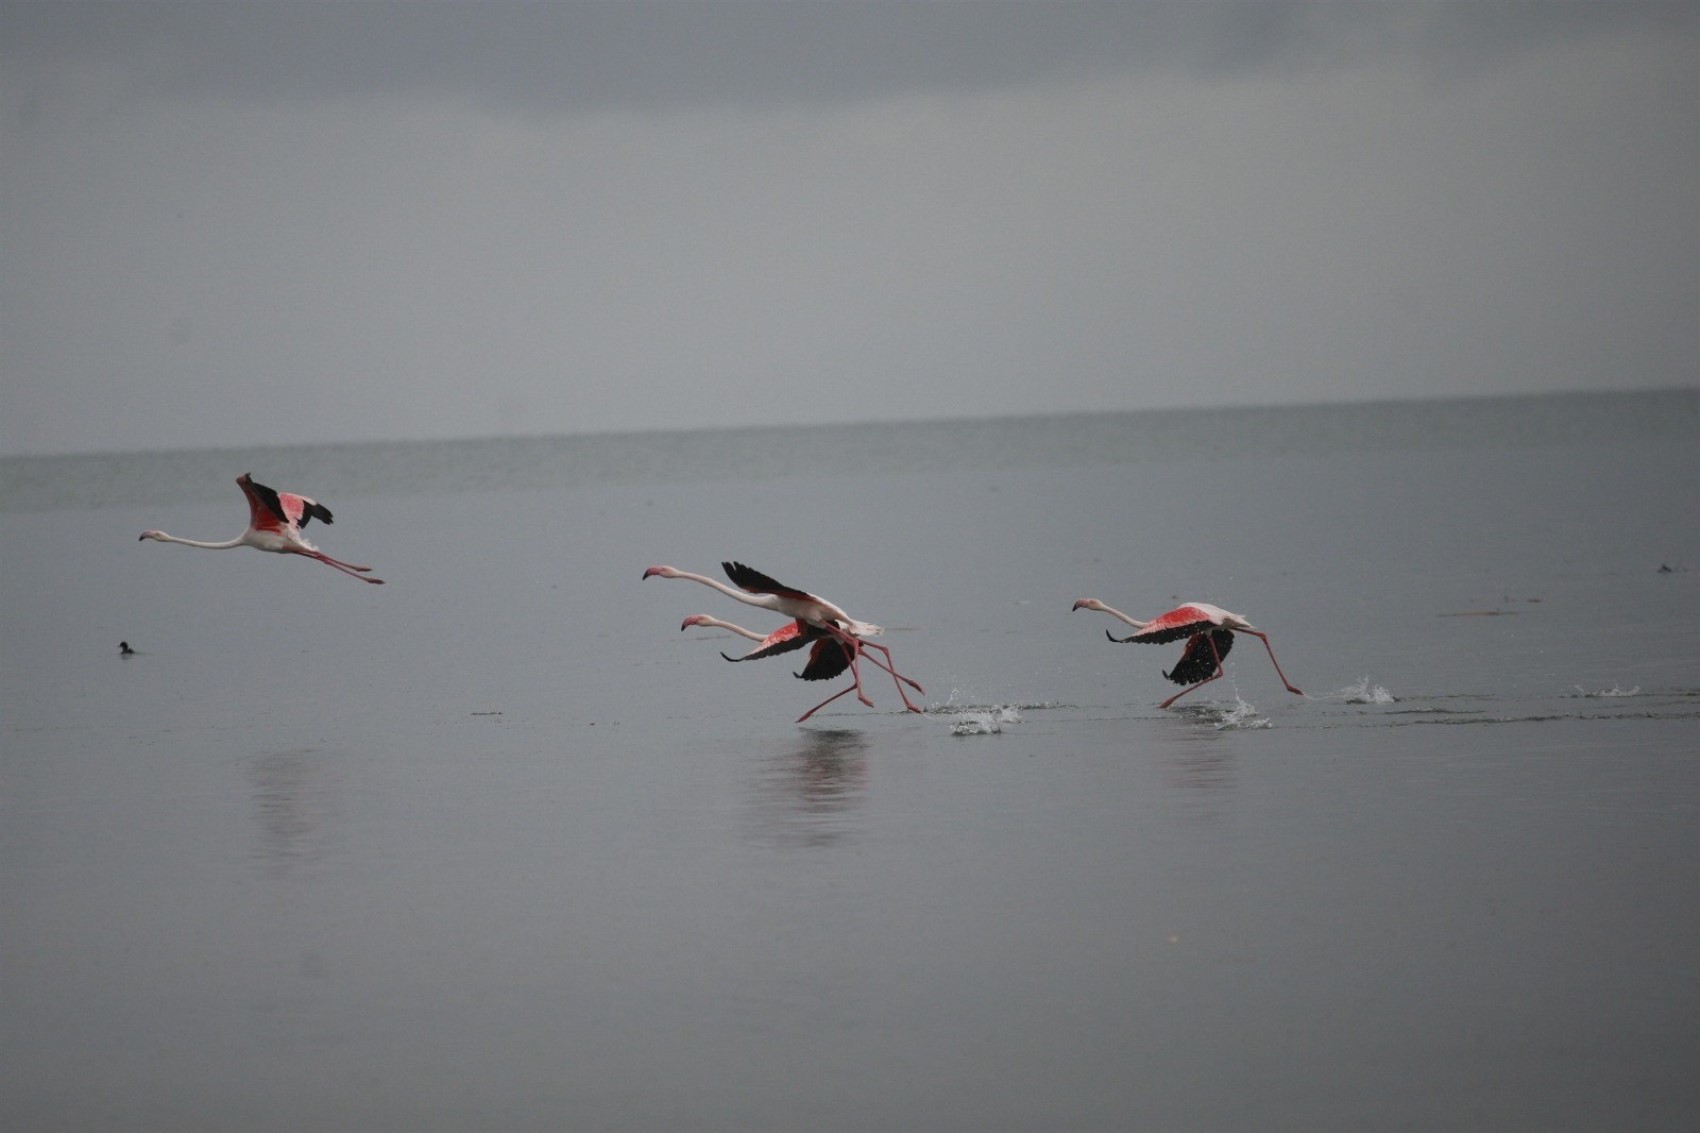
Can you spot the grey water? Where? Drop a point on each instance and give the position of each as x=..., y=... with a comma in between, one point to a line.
x=497, y=846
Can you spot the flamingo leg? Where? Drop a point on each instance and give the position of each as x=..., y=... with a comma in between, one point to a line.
x=827, y=701
x=347, y=568
x=1213, y=676
x=854, y=645
x=897, y=678
x=886, y=665
x=1274, y=662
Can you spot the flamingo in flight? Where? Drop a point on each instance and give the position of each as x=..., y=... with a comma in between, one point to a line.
x=1209, y=632
x=275, y=520
x=827, y=656
x=790, y=636
x=813, y=619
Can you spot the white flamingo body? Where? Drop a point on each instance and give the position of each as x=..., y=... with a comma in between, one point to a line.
x=813, y=619
x=1209, y=633
x=275, y=520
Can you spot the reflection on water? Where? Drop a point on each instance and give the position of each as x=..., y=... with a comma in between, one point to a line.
x=803, y=795
x=292, y=802
x=1198, y=762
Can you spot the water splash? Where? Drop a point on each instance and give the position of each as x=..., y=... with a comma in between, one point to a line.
x=1242, y=716
x=1614, y=690
x=987, y=723
x=1362, y=693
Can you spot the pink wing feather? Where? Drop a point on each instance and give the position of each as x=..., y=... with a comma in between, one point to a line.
x=1182, y=621
x=270, y=509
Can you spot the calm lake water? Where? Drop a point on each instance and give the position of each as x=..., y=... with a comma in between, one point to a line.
x=496, y=846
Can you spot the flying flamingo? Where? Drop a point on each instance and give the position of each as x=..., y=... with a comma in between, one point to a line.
x=275, y=520
x=813, y=617
x=1209, y=632
x=791, y=635
x=827, y=656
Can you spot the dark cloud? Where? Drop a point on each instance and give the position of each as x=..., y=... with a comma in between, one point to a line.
x=402, y=217
x=552, y=57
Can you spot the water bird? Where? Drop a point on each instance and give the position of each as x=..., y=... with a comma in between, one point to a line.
x=828, y=657
x=275, y=520
x=124, y=649
x=813, y=617
x=1209, y=632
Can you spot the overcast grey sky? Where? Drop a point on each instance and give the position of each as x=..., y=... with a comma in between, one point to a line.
x=270, y=222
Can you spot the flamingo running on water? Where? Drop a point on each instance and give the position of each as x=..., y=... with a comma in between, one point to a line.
x=1209, y=632
x=791, y=635
x=275, y=520
x=813, y=618
x=827, y=656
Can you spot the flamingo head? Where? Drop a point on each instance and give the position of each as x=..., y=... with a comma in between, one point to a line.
x=696, y=620
x=663, y=571
x=159, y=535
x=1087, y=604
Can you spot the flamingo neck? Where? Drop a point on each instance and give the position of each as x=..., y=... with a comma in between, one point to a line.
x=761, y=601
x=236, y=542
x=715, y=623
x=1112, y=611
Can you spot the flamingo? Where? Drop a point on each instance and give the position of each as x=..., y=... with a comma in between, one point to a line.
x=275, y=520
x=791, y=635
x=827, y=656
x=813, y=618
x=1209, y=632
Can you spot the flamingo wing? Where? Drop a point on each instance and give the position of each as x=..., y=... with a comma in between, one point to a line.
x=792, y=635
x=271, y=510
x=827, y=659
x=1198, y=663
x=301, y=509
x=265, y=510
x=754, y=581
x=1182, y=621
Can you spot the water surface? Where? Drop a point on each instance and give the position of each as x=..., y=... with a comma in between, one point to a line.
x=497, y=846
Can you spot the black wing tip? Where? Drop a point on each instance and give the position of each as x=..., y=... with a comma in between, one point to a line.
x=1198, y=663
x=827, y=659
x=746, y=577
x=268, y=497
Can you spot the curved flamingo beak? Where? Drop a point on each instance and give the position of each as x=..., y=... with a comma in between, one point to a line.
x=651, y=570
x=1079, y=603
x=694, y=619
